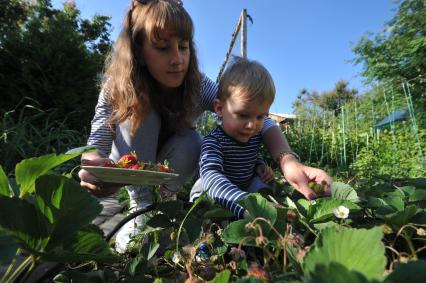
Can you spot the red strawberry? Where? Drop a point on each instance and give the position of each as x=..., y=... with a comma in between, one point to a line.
x=128, y=160
x=136, y=167
x=162, y=167
x=110, y=163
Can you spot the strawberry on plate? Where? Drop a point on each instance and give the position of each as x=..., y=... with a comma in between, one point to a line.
x=128, y=160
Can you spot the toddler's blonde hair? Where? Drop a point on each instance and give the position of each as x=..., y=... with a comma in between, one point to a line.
x=248, y=79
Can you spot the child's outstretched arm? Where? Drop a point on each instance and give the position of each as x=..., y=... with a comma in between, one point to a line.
x=297, y=174
x=217, y=185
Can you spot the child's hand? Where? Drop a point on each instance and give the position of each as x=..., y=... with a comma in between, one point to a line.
x=265, y=173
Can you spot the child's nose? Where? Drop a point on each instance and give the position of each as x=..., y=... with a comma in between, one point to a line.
x=251, y=124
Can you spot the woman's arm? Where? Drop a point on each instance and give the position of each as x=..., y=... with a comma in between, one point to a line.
x=101, y=136
x=297, y=174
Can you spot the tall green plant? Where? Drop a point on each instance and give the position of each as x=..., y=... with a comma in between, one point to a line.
x=32, y=131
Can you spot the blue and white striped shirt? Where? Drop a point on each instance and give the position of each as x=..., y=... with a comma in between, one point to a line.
x=227, y=167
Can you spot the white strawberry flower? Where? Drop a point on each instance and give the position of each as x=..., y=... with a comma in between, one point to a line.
x=341, y=212
x=176, y=257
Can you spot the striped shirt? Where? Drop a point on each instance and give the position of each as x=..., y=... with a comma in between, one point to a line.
x=227, y=167
x=102, y=134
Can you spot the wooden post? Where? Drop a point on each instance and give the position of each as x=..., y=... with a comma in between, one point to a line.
x=244, y=33
x=231, y=45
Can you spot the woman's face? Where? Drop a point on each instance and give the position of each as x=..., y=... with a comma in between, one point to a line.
x=167, y=59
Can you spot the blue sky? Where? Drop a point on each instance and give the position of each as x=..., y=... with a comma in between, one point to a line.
x=303, y=43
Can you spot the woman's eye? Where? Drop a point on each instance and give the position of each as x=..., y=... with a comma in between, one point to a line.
x=184, y=47
x=161, y=48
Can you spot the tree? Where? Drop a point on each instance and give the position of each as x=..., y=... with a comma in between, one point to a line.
x=334, y=99
x=398, y=53
x=53, y=57
x=311, y=102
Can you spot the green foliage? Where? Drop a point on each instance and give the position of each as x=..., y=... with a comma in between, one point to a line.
x=398, y=53
x=358, y=250
x=392, y=154
x=51, y=217
x=32, y=131
x=332, y=100
x=52, y=56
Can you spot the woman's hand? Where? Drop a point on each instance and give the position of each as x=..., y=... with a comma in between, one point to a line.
x=90, y=182
x=265, y=173
x=299, y=176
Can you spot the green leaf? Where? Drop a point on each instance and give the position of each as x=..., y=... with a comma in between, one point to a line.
x=258, y=206
x=170, y=208
x=28, y=170
x=4, y=184
x=303, y=206
x=148, y=250
x=104, y=276
x=136, y=266
x=236, y=231
x=280, y=225
x=218, y=213
x=159, y=220
x=66, y=204
x=408, y=190
x=396, y=202
x=82, y=149
x=358, y=250
x=193, y=227
x=374, y=202
x=343, y=191
x=323, y=209
x=419, y=218
x=222, y=277
x=418, y=195
x=85, y=245
x=414, y=271
x=8, y=248
x=338, y=272
x=403, y=217
x=24, y=222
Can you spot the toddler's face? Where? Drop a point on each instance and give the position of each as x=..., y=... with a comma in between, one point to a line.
x=167, y=59
x=242, y=119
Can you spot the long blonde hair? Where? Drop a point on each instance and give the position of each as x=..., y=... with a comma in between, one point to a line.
x=127, y=83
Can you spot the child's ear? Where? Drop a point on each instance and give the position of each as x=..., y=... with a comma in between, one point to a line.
x=218, y=107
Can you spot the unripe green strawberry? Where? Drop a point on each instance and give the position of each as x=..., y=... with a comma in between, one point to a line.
x=317, y=188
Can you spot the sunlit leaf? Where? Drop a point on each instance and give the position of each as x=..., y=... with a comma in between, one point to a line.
x=343, y=191
x=358, y=250
x=66, y=204
x=86, y=244
x=258, y=206
x=4, y=184
x=236, y=231
x=222, y=277
x=28, y=170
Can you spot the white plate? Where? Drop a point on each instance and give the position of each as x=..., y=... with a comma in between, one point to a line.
x=129, y=176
